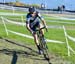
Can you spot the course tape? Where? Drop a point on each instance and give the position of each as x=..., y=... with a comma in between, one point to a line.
x=17, y=14
x=11, y=14
x=60, y=22
x=14, y=22
x=63, y=18
x=20, y=23
x=27, y=36
x=71, y=38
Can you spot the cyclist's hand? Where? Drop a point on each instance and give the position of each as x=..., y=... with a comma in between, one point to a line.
x=46, y=28
x=33, y=32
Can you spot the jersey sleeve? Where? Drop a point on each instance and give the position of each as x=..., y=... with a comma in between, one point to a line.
x=27, y=19
x=39, y=15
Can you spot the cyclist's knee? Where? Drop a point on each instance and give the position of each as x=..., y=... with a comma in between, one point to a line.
x=36, y=39
x=42, y=31
x=35, y=36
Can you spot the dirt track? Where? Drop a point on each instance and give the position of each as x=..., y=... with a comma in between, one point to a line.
x=13, y=52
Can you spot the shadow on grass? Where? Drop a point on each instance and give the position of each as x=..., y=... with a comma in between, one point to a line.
x=14, y=58
x=18, y=44
x=15, y=53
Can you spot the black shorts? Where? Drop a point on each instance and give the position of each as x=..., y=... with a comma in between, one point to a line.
x=35, y=26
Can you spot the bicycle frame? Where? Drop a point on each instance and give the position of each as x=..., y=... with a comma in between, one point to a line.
x=43, y=44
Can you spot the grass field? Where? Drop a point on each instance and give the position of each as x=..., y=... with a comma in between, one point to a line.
x=55, y=32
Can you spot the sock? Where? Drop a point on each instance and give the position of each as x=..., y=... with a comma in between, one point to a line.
x=38, y=46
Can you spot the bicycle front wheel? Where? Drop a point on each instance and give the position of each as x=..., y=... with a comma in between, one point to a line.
x=44, y=48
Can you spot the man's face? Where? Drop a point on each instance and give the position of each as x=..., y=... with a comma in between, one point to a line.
x=33, y=14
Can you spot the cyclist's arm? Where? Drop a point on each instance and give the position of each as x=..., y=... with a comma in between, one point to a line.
x=27, y=24
x=44, y=23
x=42, y=19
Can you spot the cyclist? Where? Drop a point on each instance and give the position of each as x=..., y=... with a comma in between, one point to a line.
x=32, y=22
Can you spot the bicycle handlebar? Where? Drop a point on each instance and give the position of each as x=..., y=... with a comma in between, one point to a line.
x=42, y=28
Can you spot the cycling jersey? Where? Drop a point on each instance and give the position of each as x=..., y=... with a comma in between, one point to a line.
x=33, y=21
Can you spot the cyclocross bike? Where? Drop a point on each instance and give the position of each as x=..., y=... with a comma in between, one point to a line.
x=43, y=45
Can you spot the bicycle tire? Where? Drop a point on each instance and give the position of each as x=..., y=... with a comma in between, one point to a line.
x=45, y=49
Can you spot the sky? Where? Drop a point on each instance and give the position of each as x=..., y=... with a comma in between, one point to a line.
x=70, y=4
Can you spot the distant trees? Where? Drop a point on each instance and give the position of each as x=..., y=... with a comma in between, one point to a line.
x=19, y=4
x=16, y=0
x=32, y=5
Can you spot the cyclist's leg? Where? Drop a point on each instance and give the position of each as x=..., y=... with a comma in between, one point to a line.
x=37, y=43
x=36, y=36
x=42, y=31
x=36, y=39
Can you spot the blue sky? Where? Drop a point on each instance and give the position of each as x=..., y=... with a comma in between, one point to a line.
x=70, y=4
